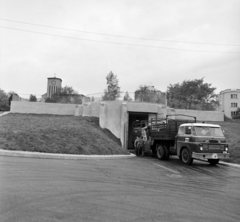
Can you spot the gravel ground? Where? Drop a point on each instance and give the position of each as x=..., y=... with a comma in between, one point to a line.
x=57, y=134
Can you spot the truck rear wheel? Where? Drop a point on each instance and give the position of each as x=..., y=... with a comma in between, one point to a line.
x=186, y=156
x=213, y=161
x=160, y=152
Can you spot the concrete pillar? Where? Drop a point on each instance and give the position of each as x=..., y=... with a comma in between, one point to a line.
x=103, y=115
x=124, y=125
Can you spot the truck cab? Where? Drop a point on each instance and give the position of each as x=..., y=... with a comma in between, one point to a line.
x=201, y=141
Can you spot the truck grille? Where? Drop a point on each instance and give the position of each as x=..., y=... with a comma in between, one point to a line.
x=216, y=147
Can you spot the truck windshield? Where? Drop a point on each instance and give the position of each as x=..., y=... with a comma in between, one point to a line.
x=209, y=131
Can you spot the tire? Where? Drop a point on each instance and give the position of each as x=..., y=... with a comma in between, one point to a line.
x=213, y=161
x=166, y=153
x=160, y=152
x=186, y=156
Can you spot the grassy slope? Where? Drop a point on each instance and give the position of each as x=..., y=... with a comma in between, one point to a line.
x=57, y=134
x=232, y=133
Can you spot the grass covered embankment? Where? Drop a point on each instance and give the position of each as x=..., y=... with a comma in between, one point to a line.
x=232, y=133
x=57, y=134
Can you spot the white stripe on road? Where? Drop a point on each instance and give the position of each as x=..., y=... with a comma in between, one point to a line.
x=172, y=171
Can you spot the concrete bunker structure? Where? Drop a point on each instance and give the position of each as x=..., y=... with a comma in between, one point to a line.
x=117, y=116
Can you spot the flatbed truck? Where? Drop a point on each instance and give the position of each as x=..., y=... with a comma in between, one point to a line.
x=180, y=135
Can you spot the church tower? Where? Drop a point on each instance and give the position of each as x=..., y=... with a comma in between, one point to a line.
x=52, y=86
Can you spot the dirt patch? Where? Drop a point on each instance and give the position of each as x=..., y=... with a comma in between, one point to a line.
x=57, y=134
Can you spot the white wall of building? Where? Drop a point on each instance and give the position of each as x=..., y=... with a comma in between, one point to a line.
x=228, y=99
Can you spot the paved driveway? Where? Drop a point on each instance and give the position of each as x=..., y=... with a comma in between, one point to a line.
x=135, y=189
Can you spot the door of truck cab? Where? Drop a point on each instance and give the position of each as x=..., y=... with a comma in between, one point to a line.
x=183, y=137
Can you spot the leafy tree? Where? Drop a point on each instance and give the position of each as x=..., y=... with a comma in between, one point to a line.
x=127, y=97
x=11, y=92
x=113, y=90
x=65, y=95
x=4, y=102
x=191, y=94
x=10, y=96
x=237, y=116
x=32, y=98
x=144, y=94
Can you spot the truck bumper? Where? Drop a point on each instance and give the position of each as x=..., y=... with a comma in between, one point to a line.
x=206, y=156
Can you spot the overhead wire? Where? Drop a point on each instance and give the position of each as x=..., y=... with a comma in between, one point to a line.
x=119, y=36
x=117, y=43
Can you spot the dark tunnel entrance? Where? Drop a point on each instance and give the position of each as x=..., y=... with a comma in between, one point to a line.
x=133, y=116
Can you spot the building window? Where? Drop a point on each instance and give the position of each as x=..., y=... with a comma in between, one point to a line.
x=233, y=113
x=233, y=104
x=233, y=96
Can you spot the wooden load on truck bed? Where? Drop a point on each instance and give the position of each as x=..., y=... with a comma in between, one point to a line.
x=166, y=129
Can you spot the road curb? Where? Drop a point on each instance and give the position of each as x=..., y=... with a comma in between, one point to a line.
x=4, y=113
x=60, y=156
x=229, y=164
x=76, y=157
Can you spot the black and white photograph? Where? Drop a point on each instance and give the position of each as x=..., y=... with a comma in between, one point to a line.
x=119, y=110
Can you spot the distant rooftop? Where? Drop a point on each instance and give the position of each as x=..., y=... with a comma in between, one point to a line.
x=152, y=88
x=229, y=90
x=54, y=78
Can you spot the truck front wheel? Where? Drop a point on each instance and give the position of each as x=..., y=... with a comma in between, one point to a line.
x=213, y=161
x=160, y=152
x=186, y=156
x=166, y=153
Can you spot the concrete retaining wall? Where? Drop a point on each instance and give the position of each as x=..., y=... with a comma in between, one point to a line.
x=42, y=108
x=110, y=116
x=79, y=110
x=91, y=109
x=95, y=108
x=202, y=115
x=86, y=109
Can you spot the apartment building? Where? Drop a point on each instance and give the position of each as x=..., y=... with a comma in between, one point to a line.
x=229, y=101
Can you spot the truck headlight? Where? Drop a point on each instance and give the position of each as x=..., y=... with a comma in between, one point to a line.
x=200, y=147
x=226, y=148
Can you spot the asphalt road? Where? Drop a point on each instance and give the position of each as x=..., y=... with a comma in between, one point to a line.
x=135, y=189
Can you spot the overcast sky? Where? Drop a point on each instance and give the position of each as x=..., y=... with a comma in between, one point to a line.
x=152, y=42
